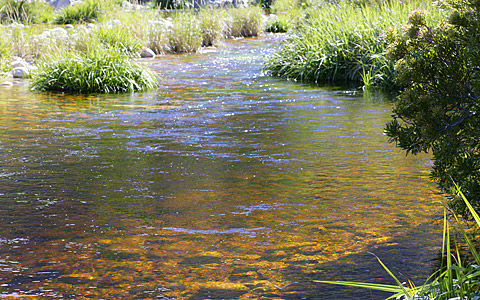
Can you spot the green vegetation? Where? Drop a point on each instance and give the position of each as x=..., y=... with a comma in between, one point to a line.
x=439, y=106
x=93, y=72
x=116, y=30
x=244, y=22
x=25, y=11
x=119, y=38
x=278, y=24
x=86, y=11
x=454, y=280
x=344, y=43
x=185, y=36
x=211, y=22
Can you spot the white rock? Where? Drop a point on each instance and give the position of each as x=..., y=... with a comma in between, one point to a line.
x=69, y=26
x=21, y=72
x=147, y=53
x=58, y=32
x=18, y=62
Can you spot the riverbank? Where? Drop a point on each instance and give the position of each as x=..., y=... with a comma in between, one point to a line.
x=32, y=41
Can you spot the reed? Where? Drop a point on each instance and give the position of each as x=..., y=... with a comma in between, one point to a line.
x=342, y=43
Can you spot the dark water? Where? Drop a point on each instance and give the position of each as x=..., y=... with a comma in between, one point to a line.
x=223, y=184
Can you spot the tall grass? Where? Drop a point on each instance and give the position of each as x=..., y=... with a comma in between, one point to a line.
x=86, y=11
x=99, y=71
x=211, y=23
x=185, y=35
x=25, y=11
x=340, y=43
x=118, y=37
x=243, y=22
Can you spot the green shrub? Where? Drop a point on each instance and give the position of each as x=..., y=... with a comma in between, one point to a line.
x=185, y=36
x=244, y=22
x=277, y=24
x=25, y=11
x=86, y=11
x=437, y=112
x=98, y=71
x=339, y=43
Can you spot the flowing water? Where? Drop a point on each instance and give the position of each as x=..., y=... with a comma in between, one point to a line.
x=222, y=184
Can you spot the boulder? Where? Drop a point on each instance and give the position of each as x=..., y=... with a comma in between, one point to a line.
x=147, y=53
x=21, y=72
x=59, y=3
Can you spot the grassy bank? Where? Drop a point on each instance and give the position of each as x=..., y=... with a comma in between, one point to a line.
x=40, y=35
x=344, y=43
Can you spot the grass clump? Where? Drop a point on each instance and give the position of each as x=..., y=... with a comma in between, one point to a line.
x=243, y=22
x=98, y=71
x=211, y=22
x=25, y=11
x=86, y=11
x=119, y=38
x=341, y=43
x=185, y=36
x=277, y=24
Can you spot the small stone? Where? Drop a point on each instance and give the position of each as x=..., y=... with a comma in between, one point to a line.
x=69, y=26
x=147, y=53
x=6, y=83
x=21, y=72
x=18, y=62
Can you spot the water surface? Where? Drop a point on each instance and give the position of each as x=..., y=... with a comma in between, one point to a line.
x=222, y=184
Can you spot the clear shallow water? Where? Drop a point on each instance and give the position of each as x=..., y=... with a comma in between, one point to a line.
x=223, y=184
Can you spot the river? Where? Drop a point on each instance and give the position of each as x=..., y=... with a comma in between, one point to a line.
x=222, y=184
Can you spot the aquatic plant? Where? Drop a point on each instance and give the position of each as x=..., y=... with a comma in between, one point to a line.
x=99, y=71
x=25, y=11
x=86, y=11
x=243, y=22
x=339, y=43
x=455, y=279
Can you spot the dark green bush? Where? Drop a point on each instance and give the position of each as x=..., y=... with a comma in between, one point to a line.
x=439, y=109
x=98, y=71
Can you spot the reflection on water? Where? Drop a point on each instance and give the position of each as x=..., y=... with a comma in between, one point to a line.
x=223, y=184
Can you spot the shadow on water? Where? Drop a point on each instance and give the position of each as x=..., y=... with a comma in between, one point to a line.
x=222, y=184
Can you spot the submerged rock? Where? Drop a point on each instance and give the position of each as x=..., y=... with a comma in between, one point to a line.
x=21, y=72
